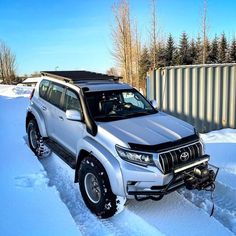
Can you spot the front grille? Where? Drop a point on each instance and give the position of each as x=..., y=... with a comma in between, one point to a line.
x=172, y=159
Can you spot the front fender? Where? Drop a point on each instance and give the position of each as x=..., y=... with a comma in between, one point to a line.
x=109, y=162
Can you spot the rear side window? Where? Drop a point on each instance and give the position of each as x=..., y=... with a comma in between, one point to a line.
x=43, y=88
x=55, y=94
x=71, y=101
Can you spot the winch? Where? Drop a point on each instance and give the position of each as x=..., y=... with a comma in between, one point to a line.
x=201, y=178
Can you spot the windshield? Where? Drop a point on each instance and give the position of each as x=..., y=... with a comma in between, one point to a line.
x=117, y=105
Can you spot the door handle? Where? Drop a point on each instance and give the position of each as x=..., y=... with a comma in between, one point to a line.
x=44, y=108
x=60, y=118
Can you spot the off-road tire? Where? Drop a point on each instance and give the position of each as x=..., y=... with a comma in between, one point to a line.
x=35, y=147
x=107, y=203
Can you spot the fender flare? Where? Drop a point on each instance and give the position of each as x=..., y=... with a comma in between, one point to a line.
x=109, y=162
x=40, y=121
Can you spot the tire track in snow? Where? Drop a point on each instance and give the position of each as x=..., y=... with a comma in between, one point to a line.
x=175, y=215
x=125, y=223
x=131, y=224
x=61, y=177
x=225, y=203
x=227, y=177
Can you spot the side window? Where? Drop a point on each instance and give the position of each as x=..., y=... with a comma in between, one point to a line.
x=55, y=94
x=71, y=101
x=43, y=88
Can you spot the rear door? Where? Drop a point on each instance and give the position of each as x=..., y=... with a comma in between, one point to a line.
x=42, y=103
x=54, y=108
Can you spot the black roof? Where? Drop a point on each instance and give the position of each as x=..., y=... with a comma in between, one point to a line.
x=79, y=75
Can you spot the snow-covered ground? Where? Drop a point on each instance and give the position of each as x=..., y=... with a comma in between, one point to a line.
x=40, y=198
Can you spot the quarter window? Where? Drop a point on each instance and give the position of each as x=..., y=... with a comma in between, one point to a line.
x=43, y=88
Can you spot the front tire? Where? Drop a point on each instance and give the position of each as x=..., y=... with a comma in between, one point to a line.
x=95, y=188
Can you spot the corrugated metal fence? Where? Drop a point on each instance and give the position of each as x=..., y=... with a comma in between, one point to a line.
x=203, y=95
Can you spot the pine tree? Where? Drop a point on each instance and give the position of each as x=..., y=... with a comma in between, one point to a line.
x=144, y=64
x=198, y=51
x=184, y=57
x=214, y=52
x=193, y=52
x=207, y=51
x=170, y=51
x=160, y=57
x=223, y=46
x=233, y=51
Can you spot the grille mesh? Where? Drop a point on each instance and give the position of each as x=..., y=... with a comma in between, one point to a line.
x=171, y=160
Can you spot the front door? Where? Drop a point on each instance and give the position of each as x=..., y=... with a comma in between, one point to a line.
x=68, y=132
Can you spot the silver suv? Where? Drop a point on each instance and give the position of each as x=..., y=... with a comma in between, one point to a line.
x=119, y=144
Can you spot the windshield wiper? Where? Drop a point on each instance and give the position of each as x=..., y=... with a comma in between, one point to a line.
x=109, y=117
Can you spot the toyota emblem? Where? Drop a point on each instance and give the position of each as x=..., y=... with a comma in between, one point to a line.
x=184, y=156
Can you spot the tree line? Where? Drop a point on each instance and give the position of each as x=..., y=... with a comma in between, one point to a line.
x=134, y=59
x=188, y=52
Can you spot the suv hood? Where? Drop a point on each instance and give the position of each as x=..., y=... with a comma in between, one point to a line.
x=149, y=130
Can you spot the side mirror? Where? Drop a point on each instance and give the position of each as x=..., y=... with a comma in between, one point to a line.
x=154, y=103
x=73, y=115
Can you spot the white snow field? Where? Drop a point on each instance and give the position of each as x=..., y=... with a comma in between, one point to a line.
x=40, y=198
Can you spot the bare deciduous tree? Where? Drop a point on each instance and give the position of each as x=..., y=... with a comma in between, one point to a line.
x=204, y=33
x=112, y=71
x=153, y=34
x=7, y=64
x=126, y=43
x=122, y=39
x=136, y=55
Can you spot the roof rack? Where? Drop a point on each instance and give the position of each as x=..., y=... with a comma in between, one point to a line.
x=75, y=76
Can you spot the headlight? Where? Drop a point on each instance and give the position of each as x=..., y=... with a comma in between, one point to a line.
x=140, y=158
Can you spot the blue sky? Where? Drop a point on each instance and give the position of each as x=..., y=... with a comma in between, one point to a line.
x=76, y=34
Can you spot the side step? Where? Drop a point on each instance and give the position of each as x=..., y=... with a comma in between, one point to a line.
x=61, y=152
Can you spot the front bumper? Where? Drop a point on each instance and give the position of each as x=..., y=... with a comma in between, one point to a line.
x=180, y=177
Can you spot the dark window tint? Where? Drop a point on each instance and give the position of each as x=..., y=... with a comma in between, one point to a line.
x=43, y=88
x=117, y=104
x=55, y=94
x=71, y=101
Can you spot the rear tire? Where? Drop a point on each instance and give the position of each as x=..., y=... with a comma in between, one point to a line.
x=95, y=188
x=35, y=140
